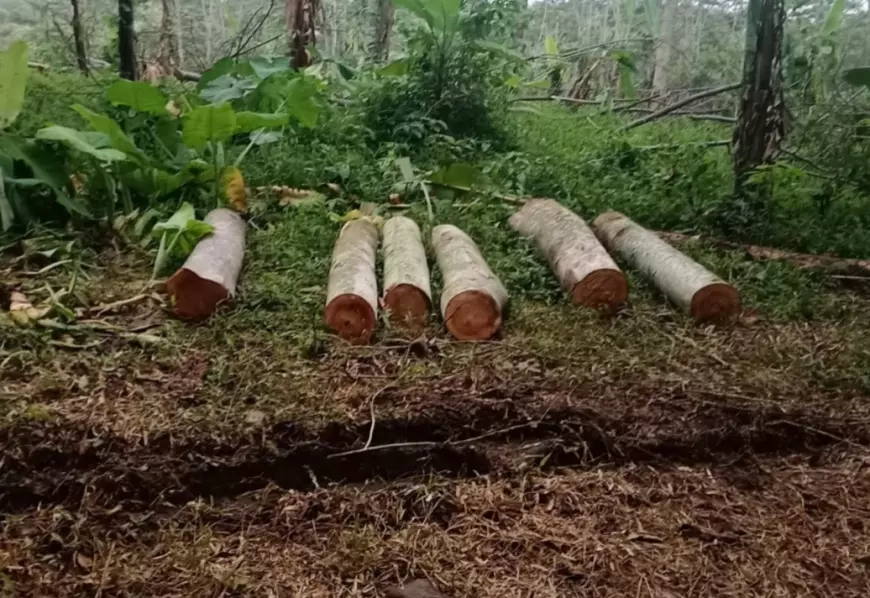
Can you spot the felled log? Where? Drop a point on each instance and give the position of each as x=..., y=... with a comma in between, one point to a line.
x=352, y=292
x=473, y=297
x=208, y=277
x=407, y=295
x=582, y=265
x=684, y=281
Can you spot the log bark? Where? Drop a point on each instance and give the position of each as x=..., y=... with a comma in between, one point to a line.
x=585, y=269
x=352, y=292
x=407, y=295
x=685, y=282
x=473, y=297
x=208, y=277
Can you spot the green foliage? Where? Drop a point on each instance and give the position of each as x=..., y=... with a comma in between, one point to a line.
x=178, y=236
x=452, y=81
x=209, y=124
x=13, y=80
x=93, y=144
x=138, y=95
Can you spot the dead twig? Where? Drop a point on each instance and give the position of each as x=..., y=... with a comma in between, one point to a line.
x=677, y=105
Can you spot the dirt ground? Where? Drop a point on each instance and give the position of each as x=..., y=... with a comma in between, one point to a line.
x=641, y=456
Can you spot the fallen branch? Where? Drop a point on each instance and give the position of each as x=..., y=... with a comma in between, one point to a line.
x=677, y=105
x=802, y=261
x=714, y=117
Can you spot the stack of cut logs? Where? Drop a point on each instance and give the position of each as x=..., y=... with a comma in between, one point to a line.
x=473, y=299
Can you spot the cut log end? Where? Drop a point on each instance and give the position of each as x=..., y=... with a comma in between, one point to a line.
x=351, y=317
x=408, y=306
x=473, y=316
x=194, y=298
x=715, y=302
x=605, y=290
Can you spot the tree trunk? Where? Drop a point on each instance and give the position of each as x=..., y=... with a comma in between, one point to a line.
x=179, y=37
x=663, y=46
x=208, y=277
x=684, y=281
x=473, y=297
x=759, y=129
x=126, y=40
x=299, y=16
x=352, y=292
x=582, y=265
x=79, y=38
x=167, y=52
x=407, y=295
x=383, y=27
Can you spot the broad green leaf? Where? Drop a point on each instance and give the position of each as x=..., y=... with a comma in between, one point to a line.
x=418, y=8
x=112, y=130
x=459, y=175
x=47, y=166
x=221, y=67
x=513, y=81
x=138, y=95
x=551, y=48
x=539, y=84
x=209, y=124
x=396, y=68
x=88, y=143
x=858, y=76
x=185, y=232
x=264, y=67
x=7, y=216
x=13, y=80
x=227, y=88
x=262, y=137
x=406, y=169
x=834, y=18
x=301, y=104
x=500, y=49
x=251, y=121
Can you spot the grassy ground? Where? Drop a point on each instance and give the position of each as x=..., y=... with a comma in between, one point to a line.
x=254, y=455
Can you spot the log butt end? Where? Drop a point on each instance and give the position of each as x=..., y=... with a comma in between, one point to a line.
x=351, y=317
x=605, y=290
x=472, y=316
x=194, y=298
x=715, y=302
x=407, y=305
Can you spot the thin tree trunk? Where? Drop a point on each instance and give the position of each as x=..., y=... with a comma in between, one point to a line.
x=179, y=37
x=663, y=46
x=167, y=53
x=206, y=16
x=383, y=27
x=299, y=16
x=79, y=38
x=760, y=128
x=127, y=40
